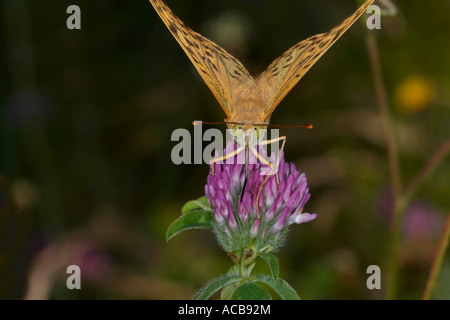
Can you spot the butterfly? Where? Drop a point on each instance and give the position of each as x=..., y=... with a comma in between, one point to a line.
x=247, y=101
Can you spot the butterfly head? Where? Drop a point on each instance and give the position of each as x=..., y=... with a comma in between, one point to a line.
x=247, y=134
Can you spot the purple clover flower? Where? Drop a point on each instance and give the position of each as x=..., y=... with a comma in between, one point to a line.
x=232, y=197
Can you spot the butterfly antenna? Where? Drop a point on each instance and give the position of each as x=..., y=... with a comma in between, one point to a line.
x=307, y=126
x=196, y=123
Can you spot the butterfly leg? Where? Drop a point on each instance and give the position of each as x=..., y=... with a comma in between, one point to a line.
x=283, y=138
x=264, y=161
x=272, y=167
x=224, y=157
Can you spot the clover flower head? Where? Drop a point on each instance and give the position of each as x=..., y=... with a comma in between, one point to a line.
x=232, y=193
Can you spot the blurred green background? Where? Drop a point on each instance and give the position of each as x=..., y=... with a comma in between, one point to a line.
x=86, y=118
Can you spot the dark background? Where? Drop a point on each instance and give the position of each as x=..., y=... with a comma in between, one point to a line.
x=86, y=118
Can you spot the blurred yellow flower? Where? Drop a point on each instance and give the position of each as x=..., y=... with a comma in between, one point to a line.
x=414, y=94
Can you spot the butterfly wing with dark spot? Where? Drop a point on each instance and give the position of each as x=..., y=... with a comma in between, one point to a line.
x=221, y=71
x=284, y=73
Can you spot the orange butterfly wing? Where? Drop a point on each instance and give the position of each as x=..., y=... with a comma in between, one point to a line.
x=223, y=73
x=284, y=73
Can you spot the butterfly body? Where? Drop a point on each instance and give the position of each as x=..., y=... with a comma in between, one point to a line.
x=248, y=110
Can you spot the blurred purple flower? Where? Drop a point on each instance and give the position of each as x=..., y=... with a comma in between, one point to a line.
x=421, y=220
x=95, y=262
x=233, y=197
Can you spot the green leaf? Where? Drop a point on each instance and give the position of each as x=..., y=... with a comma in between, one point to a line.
x=191, y=220
x=272, y=261
x=215, y=285
x=280, y=286
x=250, y=291
x=200, y=203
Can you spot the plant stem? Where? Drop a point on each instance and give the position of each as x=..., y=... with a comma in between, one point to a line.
x=386, y=122
x=394, y=244
x=432, y=163
x=243, y=267
x=392, y=154
x=437, y=262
